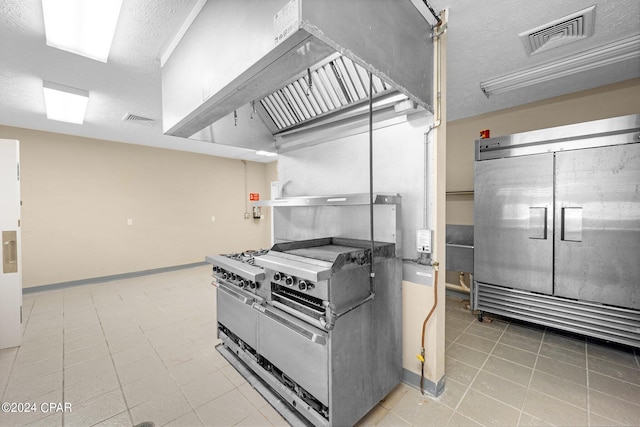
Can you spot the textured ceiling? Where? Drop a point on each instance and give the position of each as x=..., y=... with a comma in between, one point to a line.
x=128, y=83
x=482, y=43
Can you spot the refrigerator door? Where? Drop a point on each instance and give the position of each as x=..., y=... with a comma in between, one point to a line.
x=513, y=211
x=597, y=235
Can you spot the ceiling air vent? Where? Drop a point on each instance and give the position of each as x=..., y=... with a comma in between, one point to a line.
x=331, y=86
x=569, y=29
x=133, y=118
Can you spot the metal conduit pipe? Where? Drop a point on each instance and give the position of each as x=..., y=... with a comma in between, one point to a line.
x=433, y=12
x=425, y=220
x=461, y=286
x=331, y=316
x=438, y=31
x=421, y=356
x=422, y=257
x=372, y=274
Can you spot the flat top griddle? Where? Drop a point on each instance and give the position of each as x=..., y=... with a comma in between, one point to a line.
x=329, y=253
x=336, y=251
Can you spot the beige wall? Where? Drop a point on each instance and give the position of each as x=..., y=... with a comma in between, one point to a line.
x=78, y=194
x=609, y=101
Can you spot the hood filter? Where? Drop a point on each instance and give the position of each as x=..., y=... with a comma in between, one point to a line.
x=334, y=85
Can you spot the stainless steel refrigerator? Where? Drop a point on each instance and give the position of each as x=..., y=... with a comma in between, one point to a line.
x=557, y=228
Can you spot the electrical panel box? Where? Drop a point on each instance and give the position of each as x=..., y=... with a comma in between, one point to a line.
x=423, y=241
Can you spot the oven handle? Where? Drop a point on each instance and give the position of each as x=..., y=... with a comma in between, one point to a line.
x=235, y=295
x=292, y=311
x=310, y=335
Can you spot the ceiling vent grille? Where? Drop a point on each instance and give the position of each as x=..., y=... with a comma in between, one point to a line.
x=569, y=29
x=133, y=118
x=332, y=86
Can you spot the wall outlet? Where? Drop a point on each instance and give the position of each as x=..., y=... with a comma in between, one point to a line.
x=247, y=215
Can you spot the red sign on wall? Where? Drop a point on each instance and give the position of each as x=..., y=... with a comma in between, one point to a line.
x=254, y=196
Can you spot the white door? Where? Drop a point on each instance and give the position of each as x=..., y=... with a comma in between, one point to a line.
x=11, y=272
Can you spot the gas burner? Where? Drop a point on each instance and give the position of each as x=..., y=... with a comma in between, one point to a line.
x=247, y=256
x=258, y=252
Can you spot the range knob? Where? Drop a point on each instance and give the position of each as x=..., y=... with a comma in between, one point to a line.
x=302, y=285
x=253, y=285
x=288, y=281
x=242, y=283
x=225, y=275
x=233, y=276
x=277, y=276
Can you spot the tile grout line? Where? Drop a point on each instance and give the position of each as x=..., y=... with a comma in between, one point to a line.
x=587, y=409
x=21, y=349
x=152, y=347
x=586, y=356
x=6, y=386
x=223, y=374
x=618, y=398
x=612, y=376
x=533, y=370
x=469, y=386
x=15, y=357
x=479, y=370
x=66, y=310
x=124, y=397
x=220, y=369
x=496, y=356
x=162, y=360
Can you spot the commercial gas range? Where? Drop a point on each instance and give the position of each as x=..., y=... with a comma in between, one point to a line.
x=303, y=321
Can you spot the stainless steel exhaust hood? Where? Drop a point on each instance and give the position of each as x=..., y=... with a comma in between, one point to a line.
x=292, y=61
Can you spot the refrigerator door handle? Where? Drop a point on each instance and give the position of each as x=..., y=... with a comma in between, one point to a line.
x=571, y=224
x=538, y=223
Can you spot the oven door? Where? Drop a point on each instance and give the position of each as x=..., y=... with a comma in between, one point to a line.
x=298, y=349
x=236, y=314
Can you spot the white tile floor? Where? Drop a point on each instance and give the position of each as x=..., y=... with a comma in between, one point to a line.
x=142, y=349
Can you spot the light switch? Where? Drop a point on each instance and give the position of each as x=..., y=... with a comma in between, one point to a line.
x=213, y=218
x=130, y=221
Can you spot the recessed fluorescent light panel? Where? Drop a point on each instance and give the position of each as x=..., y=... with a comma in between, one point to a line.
x=612, y=53
x=83, y=27
x=64, y=103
